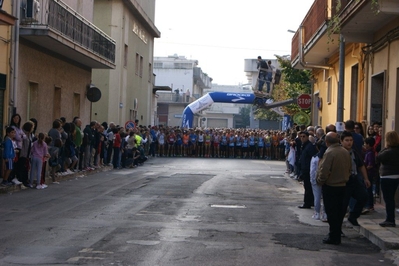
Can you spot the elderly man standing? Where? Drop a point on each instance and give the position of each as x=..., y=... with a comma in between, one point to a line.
x=333, y=174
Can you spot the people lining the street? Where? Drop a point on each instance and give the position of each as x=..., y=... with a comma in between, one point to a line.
x=389, y=173
x=74, y=150
x=333, y=174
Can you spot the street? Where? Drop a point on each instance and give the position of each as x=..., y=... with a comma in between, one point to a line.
x=175, y=211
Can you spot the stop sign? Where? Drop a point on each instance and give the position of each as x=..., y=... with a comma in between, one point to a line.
x=304, y=101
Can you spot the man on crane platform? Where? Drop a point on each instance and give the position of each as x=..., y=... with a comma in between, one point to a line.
x=263, y=69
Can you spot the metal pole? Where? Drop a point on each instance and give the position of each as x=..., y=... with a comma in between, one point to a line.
x=341, y=84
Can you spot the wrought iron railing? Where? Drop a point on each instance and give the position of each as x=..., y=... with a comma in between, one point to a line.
x=58, y=16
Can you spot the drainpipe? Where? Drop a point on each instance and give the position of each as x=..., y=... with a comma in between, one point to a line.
x=302, y=61
x=340, y=102
x=14, y=57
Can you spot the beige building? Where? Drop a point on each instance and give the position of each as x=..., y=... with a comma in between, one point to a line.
x=364, y=57
x=6, y=23
x=127, y=90
x=55, y=47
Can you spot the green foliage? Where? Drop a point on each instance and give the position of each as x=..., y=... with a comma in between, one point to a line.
x=267, y=114
x=245, y=115
x=293, y=83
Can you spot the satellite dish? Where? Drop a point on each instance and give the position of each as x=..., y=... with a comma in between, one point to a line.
x=302, y=118
x=93, y=93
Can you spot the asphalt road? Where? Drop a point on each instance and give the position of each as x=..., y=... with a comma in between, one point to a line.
x=174, y=211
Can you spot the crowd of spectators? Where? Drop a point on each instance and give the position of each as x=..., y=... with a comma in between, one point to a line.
x=68, y=148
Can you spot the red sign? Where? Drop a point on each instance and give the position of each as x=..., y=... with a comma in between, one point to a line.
x=130, y=124
x=304, y=101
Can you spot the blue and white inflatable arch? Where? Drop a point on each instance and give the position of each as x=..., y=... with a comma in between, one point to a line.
x=210, y=98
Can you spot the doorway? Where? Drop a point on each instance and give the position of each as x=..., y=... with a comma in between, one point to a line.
x=377, y=98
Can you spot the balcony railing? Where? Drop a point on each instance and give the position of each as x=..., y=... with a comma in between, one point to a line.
x=57, y=16
x=318, y=15
x=172, y=97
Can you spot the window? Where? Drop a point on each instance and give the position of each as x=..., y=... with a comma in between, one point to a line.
x=76, y=104
x=33, y=100
x=137, y=63
x=150, y=73
x=141, y=66
x=57, y=103
x=132, y=114
x=329, y=90
x=125, y=56
x=158, y=65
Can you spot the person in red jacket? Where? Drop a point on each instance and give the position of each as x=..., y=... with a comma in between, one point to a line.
x=117, y=147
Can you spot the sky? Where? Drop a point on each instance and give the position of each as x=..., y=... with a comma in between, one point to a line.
x=220, y=34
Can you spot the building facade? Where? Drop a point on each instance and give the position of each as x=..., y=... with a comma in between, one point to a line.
x=355, y=65
x=127, y=90
x=54, y=49
x=7, y=22
x=187, y=82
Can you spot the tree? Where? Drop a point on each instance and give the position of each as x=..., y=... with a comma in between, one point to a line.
x=245, y=115
x=293, y=83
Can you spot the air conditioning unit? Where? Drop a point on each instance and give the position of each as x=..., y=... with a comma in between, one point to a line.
x=32, y=10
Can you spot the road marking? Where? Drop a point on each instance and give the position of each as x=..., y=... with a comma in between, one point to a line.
x=143, y=242
x=76, y=259
x=277, y=176
x=90, y=250
x=228, y=206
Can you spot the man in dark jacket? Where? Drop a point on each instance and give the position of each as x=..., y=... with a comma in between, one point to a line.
x=89, y=137
x=308, y=150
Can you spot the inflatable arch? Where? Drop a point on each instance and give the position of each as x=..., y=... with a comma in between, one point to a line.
x=223, y=97
x=210, y=98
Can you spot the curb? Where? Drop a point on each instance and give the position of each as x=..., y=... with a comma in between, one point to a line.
x=16, y=188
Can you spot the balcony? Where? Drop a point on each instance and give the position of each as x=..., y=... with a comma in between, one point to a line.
x=201, y=79
x=317, y=44
x=359, y=20
x=173, y=98
x=56, y=27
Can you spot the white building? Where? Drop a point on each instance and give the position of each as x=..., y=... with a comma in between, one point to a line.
x=187, y=83
x=220, y=115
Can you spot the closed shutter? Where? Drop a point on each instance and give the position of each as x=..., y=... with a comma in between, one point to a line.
x=217, y=123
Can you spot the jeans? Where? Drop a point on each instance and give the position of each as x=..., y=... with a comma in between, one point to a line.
x=389, y=187
x=36, y=170
x=317, y=193
x=261, y=80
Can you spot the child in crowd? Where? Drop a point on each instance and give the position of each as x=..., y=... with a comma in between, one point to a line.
x=47, y=140
x=39, y=153
x=8, y=155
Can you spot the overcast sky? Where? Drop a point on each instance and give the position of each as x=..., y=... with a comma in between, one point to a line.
x=220, y=34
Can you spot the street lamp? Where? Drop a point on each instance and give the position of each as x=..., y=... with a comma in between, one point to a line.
x=291, y=31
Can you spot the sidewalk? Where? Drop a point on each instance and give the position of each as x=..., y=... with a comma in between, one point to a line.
x=384, y=237
x=15, y=188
